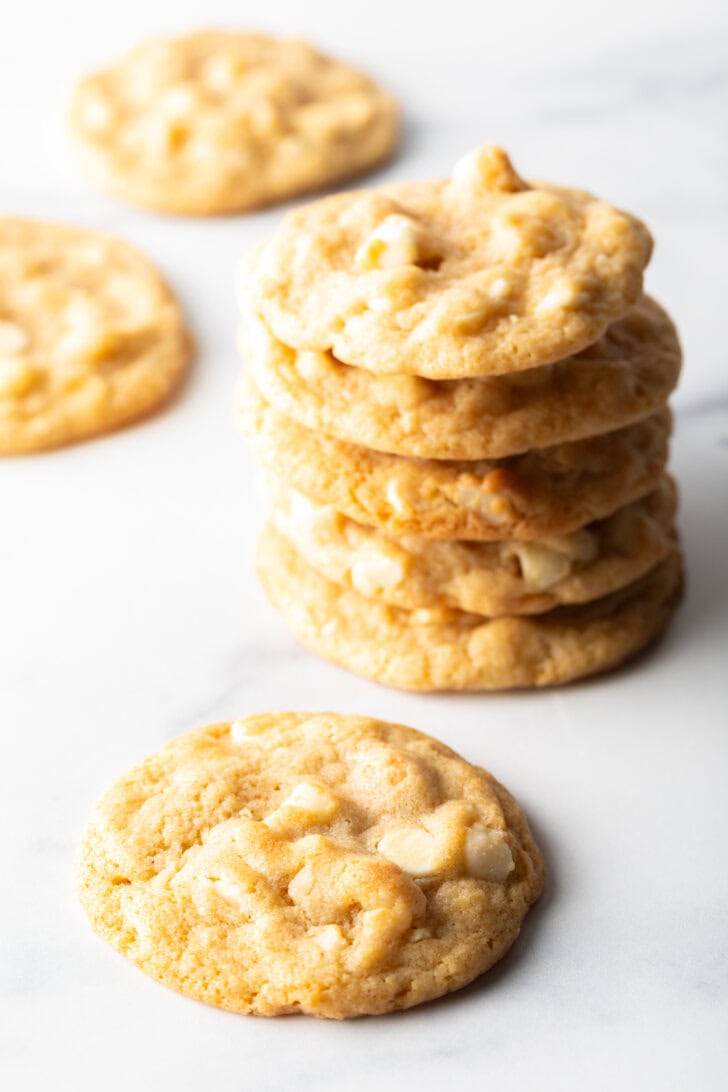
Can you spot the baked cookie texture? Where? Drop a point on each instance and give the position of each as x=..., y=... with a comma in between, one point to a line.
x=623, y=377
x=478, y=275
x=91, y=338
x=538, y=494
x=440, y=649
x=488, y=578
x=318, y=863
x=457, y=391
x=218, y=121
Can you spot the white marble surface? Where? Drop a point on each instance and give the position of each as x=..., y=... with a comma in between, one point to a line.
x=129, y=611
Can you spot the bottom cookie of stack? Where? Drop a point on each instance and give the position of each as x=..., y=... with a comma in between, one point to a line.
x=447, y=649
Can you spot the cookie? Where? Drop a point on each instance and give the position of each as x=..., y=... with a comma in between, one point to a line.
x=477, y=275
x=220, y=122
x=489, y=578
x=627, y=375
x=318, y=863
x=91, y=338
x=453, y=650
x=536, y=495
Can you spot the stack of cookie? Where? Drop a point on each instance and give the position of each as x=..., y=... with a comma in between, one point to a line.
x=458, y=394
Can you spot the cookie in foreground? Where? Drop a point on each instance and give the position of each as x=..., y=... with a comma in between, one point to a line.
x=91, y=338
x=218, y=121
x=454, y=650
x=319, y=863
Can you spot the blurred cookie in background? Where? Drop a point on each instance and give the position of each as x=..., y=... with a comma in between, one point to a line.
x=218, y=122
x=91, y=338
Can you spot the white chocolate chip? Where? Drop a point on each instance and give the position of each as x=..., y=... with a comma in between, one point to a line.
x=87, y=338
x=241, y=731
x=384, y=304
x=541, y=566
x=396, y=499
x=163, y=135
x=499, y=288
x=13, y=338
x=311, y=366
x=17, y=377
x=374, y=573
x=412, y=848
x=563, y=294
x=470, y=322
x=492, y=506
x=506, y=240
x=310, y=803
x=395, y=242
x=222, y=72
x=97, y=114
x=488, y=855
x=178, y=102
x=302, y=884
x=487, y=169
x=93, y=252
x=329, y=938
x=581, y=545
x=316, y=799
x=546, y=562
x=432, y=616
x=232, y=892
x=303, y=510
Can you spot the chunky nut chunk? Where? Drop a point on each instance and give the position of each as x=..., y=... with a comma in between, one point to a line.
x=488, y=855
x=541, y=566
x=581, y=545
x=546, y=562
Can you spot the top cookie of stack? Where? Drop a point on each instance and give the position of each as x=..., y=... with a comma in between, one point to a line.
x=473, y=360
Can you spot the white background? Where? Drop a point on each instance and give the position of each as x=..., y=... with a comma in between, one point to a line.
x=129, y=610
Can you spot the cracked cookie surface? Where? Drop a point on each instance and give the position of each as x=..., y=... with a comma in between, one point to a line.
x=452, y=650
x=217, y=122
x=318, y=863
x=91, y=338
x=478, y=275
